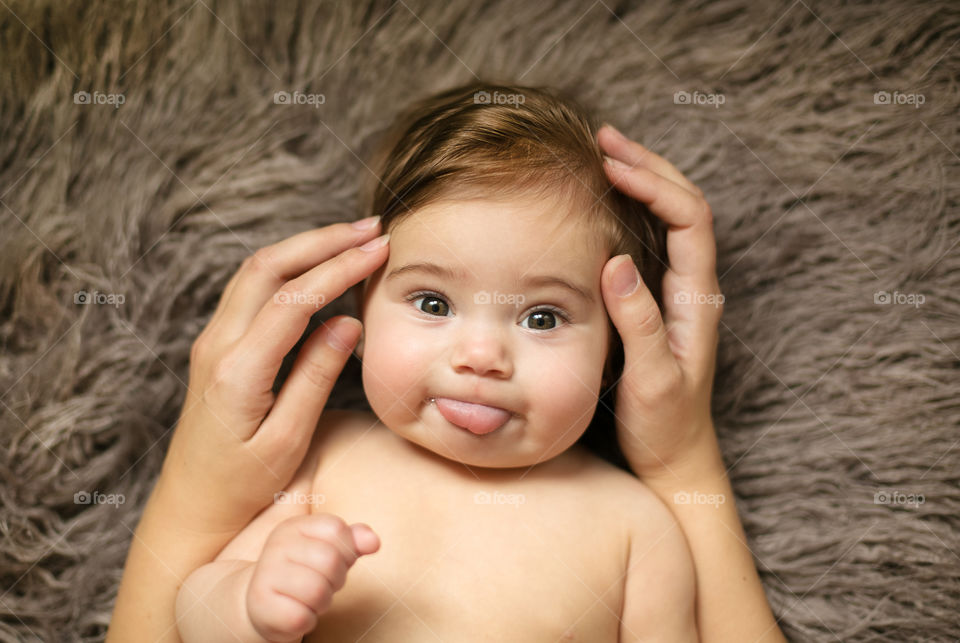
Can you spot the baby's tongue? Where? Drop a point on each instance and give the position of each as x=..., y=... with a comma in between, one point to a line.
x=475, y=418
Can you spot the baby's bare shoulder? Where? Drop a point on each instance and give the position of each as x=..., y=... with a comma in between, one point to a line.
x=337, y=431
x=659, y=588
x=618, y=488
x=338, y=425
x=642, y=511
x=660, y=583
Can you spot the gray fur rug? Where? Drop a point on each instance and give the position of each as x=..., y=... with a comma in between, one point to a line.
x=837, y=397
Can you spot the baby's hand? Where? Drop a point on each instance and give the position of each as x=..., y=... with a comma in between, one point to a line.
x=303, y=563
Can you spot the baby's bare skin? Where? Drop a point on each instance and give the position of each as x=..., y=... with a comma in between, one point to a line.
x=213, y=481
x=483, y=554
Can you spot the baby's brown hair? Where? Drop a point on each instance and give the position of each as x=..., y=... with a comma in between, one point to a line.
x=494, y=141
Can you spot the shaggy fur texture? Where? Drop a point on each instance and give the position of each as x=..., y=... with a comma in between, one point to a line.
x=823, y=198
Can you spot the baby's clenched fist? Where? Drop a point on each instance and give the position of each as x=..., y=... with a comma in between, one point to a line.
x=304, y=562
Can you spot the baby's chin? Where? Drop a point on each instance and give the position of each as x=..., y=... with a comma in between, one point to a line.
x=485, y=459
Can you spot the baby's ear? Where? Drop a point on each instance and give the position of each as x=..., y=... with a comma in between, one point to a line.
x=358, y=290
x=358, y=350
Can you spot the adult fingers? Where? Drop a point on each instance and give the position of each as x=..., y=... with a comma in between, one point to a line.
x=691, y=293
x=287, y=430
x=280, y=323
x=615, y=145
x=691, y=245
x=635, y=314
x=264, y=272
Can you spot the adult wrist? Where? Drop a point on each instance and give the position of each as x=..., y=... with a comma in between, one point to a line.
x=697, y=461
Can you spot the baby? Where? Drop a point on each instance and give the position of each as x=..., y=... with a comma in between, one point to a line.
x=486, y=348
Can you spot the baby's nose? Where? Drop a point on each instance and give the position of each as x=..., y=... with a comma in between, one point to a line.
x=484, y=353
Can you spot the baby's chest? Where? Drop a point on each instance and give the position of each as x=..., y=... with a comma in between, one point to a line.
x=472, y=564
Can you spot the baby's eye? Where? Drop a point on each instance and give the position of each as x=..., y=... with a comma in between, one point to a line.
x=544, y=319
x=432, y=304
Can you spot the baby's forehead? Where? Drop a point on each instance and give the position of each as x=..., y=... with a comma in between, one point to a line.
x=534, y=218
x=472, y=241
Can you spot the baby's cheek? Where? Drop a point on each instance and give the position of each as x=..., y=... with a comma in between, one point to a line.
x=567, y=387
x=392, y=365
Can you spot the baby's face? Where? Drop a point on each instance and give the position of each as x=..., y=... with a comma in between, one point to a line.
x=494, y=333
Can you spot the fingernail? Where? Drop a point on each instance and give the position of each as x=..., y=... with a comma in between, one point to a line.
x=365, y=224
x=616, y=131
x=375, y=244
x=334, y=338
x=626, y=278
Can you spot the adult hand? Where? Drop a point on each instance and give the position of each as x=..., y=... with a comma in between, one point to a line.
x=663, y=398
x=237, y=443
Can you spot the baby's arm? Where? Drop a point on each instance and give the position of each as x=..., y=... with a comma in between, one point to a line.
x=236, y=443
x=302, y=563
x=212, y=603
x=212, y=600
x=659, y=597
x=732, y=605
x=664, y=424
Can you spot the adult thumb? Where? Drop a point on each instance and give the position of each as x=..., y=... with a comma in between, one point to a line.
x=364, y=539
x=635, y=314
x=284, y=436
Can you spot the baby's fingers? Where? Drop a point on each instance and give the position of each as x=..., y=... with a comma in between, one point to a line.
x=325, y=533
x=307, y=585
x=319, y=556
x=280, y=608
x=306, y=560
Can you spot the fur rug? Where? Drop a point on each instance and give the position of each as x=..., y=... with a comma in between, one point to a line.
x=837, y=397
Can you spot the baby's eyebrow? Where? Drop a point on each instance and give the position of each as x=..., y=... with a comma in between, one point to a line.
x=457, y=274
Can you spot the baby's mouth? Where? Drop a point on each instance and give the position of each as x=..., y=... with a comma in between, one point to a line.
x=479, y=419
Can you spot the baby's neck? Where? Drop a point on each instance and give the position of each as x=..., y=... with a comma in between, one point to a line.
x=563, y=464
